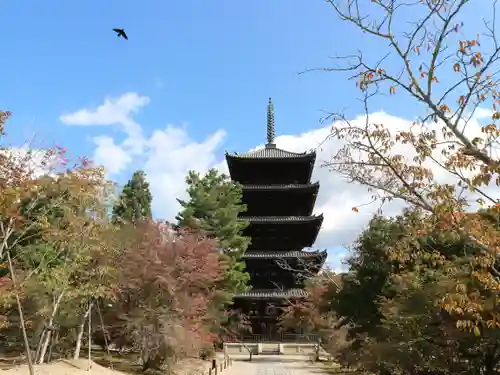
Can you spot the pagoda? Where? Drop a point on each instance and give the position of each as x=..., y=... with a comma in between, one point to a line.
x=280, y=198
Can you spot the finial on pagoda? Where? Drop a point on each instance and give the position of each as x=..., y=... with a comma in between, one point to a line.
x=270, y=125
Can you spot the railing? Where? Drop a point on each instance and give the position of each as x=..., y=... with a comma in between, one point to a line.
x=274, y=337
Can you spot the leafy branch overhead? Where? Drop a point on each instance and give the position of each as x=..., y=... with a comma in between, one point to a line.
x=444, y=164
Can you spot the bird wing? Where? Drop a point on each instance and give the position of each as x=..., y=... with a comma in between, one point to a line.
x=124, y=35
x=117, y=30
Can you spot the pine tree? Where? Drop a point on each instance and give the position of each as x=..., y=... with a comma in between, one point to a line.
x=135, y=200
x=213, y=207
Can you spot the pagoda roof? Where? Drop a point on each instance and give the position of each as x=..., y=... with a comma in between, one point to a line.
x=281, y=186
x=284, y=254
x=281, y=219
x=270, y=152
x=273, y=293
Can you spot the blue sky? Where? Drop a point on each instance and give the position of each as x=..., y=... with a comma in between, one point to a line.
x=204, y=66
x=211, y=64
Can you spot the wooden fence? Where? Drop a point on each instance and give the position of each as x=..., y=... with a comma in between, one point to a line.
x=217, y=368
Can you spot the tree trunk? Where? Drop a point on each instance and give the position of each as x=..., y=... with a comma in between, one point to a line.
x=90, y=336
x=21, y=314
x=45, y=346
x=49, y=332
x=40, y=343
x=103, y=329
x=81, y=328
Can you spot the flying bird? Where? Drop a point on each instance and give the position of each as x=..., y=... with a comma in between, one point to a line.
x=120, y=33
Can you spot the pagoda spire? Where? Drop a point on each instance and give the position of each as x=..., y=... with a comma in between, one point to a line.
x=270, y=125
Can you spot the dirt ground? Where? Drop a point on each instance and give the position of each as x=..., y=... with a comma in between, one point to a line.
x=64, y=367
x=80, y=367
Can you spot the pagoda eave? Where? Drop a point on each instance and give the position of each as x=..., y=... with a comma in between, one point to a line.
x=284, y=254
x=283, y=219
x=271, y=154
x=273, y=294
x=282, y=187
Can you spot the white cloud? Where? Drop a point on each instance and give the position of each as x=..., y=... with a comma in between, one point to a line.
x=168, y=154
x=114, y=111
x=171, y=154
x=109, y=154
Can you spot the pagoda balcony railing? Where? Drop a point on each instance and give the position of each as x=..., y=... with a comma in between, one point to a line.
x=273, y=337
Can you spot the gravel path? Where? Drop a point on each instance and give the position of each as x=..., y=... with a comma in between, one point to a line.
x=274, y=365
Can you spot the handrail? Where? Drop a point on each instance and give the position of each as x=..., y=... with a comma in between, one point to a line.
x=280, y=337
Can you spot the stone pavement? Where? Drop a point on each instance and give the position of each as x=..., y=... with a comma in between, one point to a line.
x=274, y=365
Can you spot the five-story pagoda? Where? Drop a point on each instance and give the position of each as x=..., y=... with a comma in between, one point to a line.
x=280, y=198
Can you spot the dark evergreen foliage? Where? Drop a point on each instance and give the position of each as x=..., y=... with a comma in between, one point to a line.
x=135, y=200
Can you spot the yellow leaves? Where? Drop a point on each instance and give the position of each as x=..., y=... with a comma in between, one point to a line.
x=4, y=322
x=444, y=108
x=465, y=46
x=461, y=288
x=392, y=90
x=4, y=115
x=477, y=59
x=491, y=128
x=456, y=67
x=495, y=116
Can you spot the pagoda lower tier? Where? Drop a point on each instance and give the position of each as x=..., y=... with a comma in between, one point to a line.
x=282, y=269
x=276, y=280
x=264, y=307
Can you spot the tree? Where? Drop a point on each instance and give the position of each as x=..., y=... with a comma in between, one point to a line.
x=430, y=58
x=391, y=305
x=213, y=207
x=166, y=304
x=17, y=184
x=315, y=315
x=52, y=220
x=135, y=200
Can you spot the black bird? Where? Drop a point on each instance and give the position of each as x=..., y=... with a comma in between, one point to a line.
x=121, y=33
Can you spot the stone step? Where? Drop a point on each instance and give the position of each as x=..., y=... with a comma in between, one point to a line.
x=270, y=348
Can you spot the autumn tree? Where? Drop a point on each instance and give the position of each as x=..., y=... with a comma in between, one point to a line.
x=314, y=314
x=53, y=221
x=391, y=308
x=166, y=304
x=18, y=173
x=431, y=54
x=135, y=200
